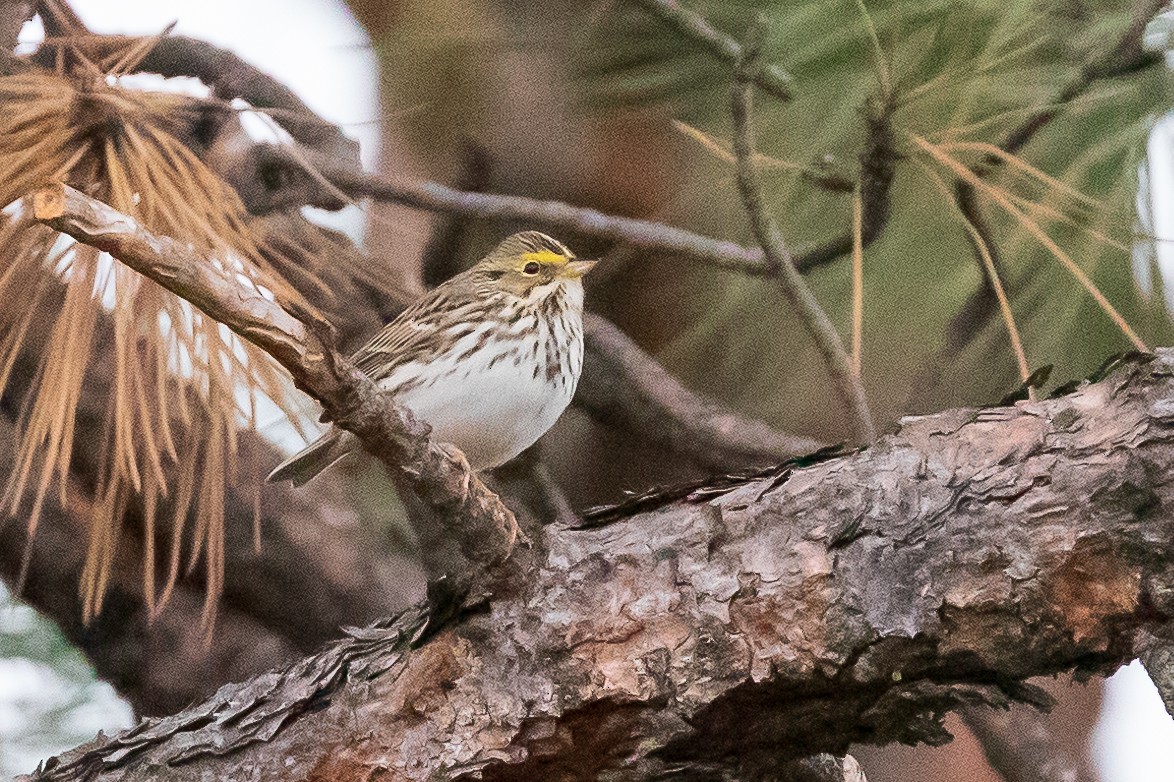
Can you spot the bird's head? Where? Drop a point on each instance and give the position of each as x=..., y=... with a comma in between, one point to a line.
x=532, y=265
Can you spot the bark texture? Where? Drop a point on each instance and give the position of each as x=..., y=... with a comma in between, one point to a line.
x=726, y=634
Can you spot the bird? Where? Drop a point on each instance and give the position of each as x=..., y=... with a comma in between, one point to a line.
x=490, y=358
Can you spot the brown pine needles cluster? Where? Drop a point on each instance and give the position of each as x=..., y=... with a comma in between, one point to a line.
x=181, y=383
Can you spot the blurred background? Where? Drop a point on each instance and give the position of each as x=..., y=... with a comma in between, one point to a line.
x=600, y=104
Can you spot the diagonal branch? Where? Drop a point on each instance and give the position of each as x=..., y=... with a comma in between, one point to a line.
x=771, y=79
x=623, y=386
x=473, y=516
x=778, y=257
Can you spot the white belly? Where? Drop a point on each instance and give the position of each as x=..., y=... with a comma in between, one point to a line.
x=492, y=413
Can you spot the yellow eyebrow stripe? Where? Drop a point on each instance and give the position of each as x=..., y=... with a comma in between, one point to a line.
x=546, y=257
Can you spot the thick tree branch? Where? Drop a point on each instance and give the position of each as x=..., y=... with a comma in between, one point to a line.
x=778, y=257
x=475, y=517
x=856, y=599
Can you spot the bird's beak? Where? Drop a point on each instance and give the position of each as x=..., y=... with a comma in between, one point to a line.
x=576, y=269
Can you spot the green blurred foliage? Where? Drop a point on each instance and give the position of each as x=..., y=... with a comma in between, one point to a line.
x=50, y=698
x=544, y=87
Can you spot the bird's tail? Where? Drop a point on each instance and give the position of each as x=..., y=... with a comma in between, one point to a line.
x=305, y=465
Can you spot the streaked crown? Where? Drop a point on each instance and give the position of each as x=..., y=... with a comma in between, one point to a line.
x=529, y=259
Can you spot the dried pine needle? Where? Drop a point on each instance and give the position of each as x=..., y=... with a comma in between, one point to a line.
x=1000, y=197
x=173, y=375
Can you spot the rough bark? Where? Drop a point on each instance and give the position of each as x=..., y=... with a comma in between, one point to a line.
x=725, y=635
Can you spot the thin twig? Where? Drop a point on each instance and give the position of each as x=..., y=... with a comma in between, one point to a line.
x=1126, y=56
x=766, y=230
x=643, y=234
x=822, y=175
x=475, y=517
x=771, y=79
x=487, y=206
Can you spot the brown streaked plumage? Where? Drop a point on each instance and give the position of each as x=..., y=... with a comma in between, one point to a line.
x=489, y=359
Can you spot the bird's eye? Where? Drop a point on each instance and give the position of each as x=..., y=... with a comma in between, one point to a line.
x=531, y=268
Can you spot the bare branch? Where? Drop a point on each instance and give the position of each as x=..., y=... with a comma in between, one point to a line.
x=1124, y=57
x=856, y=599
x=634, y=232
x=778, y=258
x=489, y=206
x=770, y=79
x=625, y=387
x=474, y=516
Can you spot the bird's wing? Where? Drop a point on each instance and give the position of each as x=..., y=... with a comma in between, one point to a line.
x=414, y=335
